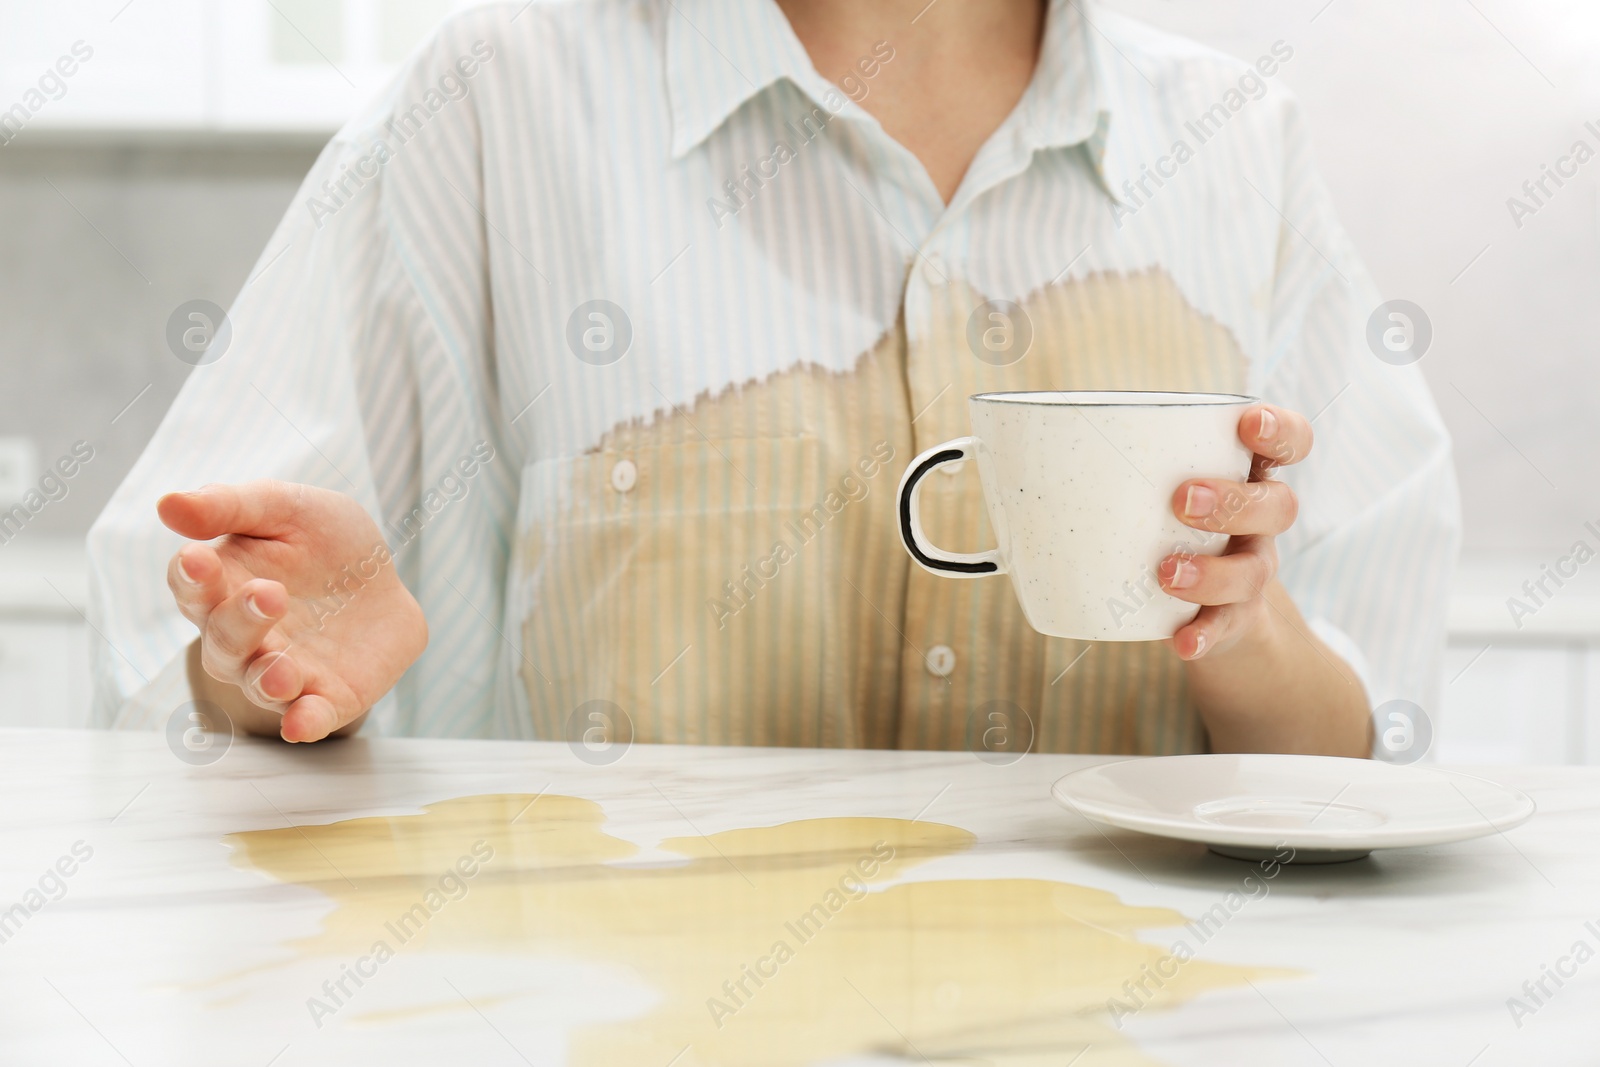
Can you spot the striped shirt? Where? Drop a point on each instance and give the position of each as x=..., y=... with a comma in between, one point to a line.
x=623, y=321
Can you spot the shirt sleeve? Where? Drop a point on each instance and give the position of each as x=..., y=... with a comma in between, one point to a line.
x=359, y=359
x=1370, y=557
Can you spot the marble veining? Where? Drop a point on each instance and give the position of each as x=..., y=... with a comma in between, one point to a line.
x=136, y=930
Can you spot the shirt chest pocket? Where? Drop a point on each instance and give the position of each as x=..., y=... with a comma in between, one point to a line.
x=693, y=586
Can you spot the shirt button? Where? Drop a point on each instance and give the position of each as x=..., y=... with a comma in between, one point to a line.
x=940, y=661
x=933, y=271
x=624, y=476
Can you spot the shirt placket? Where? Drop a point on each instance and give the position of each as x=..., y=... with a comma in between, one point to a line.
x=970, y=664
x=905, y=199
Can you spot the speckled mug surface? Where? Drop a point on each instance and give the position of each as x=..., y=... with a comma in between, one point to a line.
x=1079, y=489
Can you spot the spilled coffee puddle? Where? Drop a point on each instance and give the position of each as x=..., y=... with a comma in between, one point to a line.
x=775, y=945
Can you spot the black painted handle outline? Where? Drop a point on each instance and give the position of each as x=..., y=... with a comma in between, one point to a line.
x=918, y=553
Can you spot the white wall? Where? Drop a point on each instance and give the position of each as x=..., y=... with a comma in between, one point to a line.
x=1428, y=115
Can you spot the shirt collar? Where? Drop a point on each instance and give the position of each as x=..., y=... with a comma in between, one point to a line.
x=1074, y=98
x=1062, y=104
x=721, y=53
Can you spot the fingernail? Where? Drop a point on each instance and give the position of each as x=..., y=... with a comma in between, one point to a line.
x=1199, y=645
x=1269, y=425
x=184, y=571
x=1200, y=502
x=254, y=678
x=1184, y=574
x=255, y=609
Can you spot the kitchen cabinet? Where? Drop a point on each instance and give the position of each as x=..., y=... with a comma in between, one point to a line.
x=1516, y=704
x=1520, y=674
x=44, y=643
x=1508, y=695
x=1512, y=706
x=44, y=673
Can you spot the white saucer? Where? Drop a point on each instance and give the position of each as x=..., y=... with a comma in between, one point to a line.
x=1327, y=809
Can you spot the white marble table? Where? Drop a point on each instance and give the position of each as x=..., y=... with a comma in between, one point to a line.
x=166, y=946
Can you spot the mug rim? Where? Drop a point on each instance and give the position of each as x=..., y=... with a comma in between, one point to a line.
x=1136, y=398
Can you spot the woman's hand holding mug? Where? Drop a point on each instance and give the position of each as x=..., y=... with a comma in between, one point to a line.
x=1232, y=587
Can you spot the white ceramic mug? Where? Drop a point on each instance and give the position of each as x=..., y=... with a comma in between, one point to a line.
x=1079, y=487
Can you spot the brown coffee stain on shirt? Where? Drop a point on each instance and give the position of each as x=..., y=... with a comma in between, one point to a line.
x=769, y=946
x=749, y=586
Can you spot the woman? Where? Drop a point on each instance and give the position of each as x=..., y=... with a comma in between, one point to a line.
x=573, y=388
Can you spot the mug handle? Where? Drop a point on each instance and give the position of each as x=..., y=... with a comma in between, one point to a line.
x=950, y=564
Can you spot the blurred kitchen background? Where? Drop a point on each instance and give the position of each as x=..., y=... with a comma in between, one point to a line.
x=155, y=172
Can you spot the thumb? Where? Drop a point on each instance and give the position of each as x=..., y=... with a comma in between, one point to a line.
x=259, y=509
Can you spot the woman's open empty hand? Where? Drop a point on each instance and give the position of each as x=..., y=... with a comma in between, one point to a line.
x=296, y=598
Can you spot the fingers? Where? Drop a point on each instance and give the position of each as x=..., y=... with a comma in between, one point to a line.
x=311, y=718
x=1277, y=435
x=263, y=508
x=273, y=680
x=1213, y=628
x=1240, y=575
x=236, y=630
x=1249, y=508
x=194, y=574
